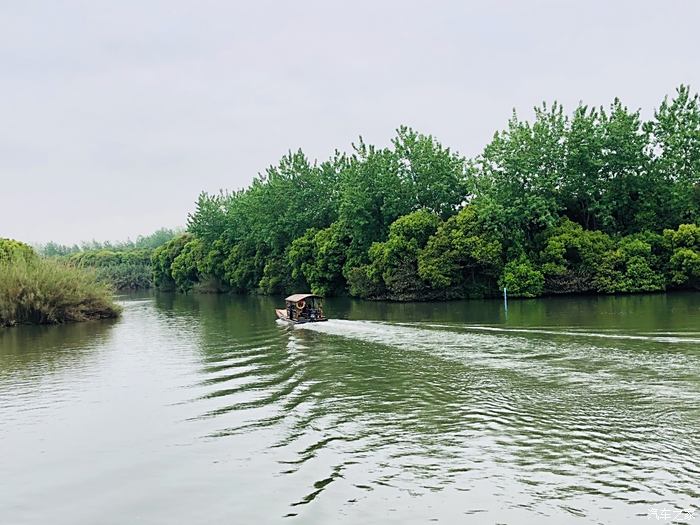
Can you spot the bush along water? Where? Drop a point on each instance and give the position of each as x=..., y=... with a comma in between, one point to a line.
x=595, y=201
x=47, y=291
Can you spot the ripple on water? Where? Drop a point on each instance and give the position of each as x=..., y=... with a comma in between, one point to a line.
x=361, y=419
x=566, y=420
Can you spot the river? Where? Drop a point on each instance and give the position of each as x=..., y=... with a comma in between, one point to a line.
x=205, y=410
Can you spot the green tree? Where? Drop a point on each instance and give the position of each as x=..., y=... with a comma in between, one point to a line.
x=684, y=263
x=556, y=205
x=519, y=173
x=436, y=178
x=163, y=258
x=675, y=134
x=11, y=250
x=522, y=279
x=393, y=268
x=243, y=268
x=277, y=279
x=463, y=258
x=325, y=274
x=570, y=257
x=185, y=267
x=624, y=171
x=381, y=185
x=628, y=268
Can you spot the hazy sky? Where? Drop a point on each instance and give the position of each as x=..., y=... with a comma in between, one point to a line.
x=115, y=115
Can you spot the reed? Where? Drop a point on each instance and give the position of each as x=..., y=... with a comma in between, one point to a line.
x=47, y=291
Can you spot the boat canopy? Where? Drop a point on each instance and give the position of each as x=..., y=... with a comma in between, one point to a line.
x=300, y=297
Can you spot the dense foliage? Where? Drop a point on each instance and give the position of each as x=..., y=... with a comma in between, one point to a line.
x=123, y=265
x=597, y=201
x=126, y=269
x=45, y=291
x=11, y=250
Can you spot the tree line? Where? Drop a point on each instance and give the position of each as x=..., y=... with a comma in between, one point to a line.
x=124, y=265
x=142, y=242
x=597, y=200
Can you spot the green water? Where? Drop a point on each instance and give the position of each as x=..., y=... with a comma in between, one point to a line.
x=205, y=410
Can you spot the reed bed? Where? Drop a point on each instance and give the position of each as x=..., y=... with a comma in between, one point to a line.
x=46, y=291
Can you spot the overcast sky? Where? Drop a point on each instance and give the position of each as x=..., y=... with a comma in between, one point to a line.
x=114, y=116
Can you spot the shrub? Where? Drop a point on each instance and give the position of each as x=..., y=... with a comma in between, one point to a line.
x=570, y=257
x=686, y=236
x=126, y=276
x=628, y=268
x=522, y=279
x=362, y=284
x=122, y=269
x=684, y=264
x=685, y=268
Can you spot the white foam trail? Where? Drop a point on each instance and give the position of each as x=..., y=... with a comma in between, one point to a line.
x=493, y=348
x=635, y=337
x=378, y=328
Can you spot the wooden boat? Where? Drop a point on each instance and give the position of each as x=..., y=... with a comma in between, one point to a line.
x=302, y=308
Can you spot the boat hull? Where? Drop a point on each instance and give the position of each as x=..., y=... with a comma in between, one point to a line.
x=282, y=316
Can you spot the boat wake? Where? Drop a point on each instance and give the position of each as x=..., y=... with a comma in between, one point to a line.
x=380, y=328
x=609, y=360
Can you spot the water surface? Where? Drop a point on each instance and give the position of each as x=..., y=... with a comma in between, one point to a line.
x=206, y=410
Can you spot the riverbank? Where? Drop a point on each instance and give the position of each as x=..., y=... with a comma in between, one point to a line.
x=41, y=291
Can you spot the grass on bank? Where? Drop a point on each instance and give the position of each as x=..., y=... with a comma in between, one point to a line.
x=45, y=291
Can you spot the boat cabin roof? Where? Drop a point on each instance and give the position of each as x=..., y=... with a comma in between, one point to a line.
x=300, y=297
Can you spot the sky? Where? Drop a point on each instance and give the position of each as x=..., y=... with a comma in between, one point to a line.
x=114, y=116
